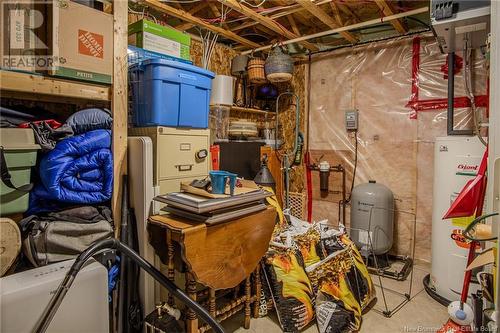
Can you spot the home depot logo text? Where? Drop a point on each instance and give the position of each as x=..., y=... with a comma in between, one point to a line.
x=90, y=44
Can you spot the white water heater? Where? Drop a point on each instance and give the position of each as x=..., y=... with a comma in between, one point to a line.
x=456, y=161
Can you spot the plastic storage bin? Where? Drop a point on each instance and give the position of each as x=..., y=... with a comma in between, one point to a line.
x=20, y=156
x=170, y=93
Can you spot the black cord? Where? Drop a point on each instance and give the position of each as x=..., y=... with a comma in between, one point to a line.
x=425, y=24
x=112, y=243
x=355, y=164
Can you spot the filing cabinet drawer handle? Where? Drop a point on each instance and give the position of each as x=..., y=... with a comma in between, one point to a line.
x=184, y=167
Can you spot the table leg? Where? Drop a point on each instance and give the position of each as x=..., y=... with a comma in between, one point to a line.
x=170, y=264
x=258, y=290
x=248, y=296
x=191, y=318
x=211, y=302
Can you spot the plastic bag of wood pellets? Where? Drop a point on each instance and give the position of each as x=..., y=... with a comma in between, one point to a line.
x=291, y=289
x=309, y=243
x=331, y=241
x=365, y=290
x=331, y=317
x=343, y=276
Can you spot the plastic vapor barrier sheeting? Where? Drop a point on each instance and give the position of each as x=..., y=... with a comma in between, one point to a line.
x=400, y=91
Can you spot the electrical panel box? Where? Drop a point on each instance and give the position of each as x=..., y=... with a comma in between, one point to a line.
x=351, y=120
x=453, y=21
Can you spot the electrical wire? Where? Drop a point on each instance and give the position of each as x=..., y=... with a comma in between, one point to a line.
x=252, y=5
x=467, y=73
x=355, y=164
x=181, y=1
x=419, y=21
x=143, y=13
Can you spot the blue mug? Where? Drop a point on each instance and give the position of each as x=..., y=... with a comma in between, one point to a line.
x=218, y=179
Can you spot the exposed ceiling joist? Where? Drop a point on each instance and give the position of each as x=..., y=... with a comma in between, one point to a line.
x=325, y=18
x=387, y=10
x=346, y=10
x=291, y=10
x=216, y=11
x=336, y=13
x=359, y=25
x=293, y=25
x=185, y=16
x=265, y=21
x=192, y=11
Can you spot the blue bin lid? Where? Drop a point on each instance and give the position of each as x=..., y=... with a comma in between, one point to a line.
x=178, y=65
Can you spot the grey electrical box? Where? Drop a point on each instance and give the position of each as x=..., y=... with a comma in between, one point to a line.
x=453, y=21
x=351, y=120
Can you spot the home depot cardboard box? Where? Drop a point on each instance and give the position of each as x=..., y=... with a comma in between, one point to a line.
x=158, y=38
x=82, y=42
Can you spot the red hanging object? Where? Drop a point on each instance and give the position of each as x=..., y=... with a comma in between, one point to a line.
x=471, y=197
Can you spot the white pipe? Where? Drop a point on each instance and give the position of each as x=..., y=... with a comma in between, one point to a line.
x=346, y=28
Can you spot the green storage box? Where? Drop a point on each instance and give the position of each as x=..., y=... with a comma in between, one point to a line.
x=20, y=152
x=158, y=38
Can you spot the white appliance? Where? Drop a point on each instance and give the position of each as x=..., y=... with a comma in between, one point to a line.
x=140, y=172
x=456, y=160
x=24, y=296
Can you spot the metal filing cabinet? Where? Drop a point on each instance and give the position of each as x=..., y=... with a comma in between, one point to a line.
x=176, y=153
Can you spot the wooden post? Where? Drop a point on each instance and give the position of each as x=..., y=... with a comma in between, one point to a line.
x=191, y=318
x=119, y=98
x=258, y=290
x=211, y=302
x=248, y=299
x=170, y=264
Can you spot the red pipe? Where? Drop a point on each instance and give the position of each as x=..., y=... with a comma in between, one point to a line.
x=309, y=186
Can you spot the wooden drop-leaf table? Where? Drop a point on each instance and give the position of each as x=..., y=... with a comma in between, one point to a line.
x=219, y=257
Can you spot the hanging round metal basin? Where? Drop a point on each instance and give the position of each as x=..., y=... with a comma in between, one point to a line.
x=279, y=66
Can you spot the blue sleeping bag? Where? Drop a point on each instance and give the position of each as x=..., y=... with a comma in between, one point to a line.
x=79, y=170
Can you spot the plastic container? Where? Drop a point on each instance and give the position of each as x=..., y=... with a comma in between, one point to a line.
x=219, y=123
x=20, y=152
x=222, y=90
x=170, y=93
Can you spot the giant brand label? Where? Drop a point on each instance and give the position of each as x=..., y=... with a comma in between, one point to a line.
x=465, y=169
x=90, y=44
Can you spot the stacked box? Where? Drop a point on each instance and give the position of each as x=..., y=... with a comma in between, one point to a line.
x=82, y=42
x=161, y=39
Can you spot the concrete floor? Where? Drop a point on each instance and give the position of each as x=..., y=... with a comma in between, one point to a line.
x=421, y=314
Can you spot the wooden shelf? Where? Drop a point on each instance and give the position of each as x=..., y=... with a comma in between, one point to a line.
x=250, y=110
x=28, y=83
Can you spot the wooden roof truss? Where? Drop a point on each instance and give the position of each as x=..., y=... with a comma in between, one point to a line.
x=280, y=20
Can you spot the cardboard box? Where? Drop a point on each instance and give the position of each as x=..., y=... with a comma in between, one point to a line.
x=82, y=42
x=137, y=55
x=23, y=38
x=157, y=38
